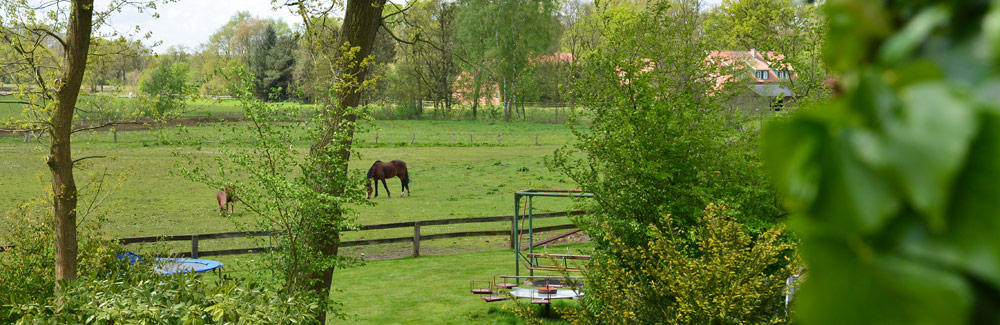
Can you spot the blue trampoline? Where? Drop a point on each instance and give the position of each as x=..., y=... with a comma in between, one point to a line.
x=171, y=265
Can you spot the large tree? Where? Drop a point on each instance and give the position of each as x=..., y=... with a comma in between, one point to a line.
x=503, y=35
x=348, y=60
x=46, y=55
x=427, y=67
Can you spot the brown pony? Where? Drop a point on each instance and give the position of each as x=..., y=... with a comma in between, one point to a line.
x=383, y=170
x=227, y=199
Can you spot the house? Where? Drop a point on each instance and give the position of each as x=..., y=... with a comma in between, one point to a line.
x=765, y=73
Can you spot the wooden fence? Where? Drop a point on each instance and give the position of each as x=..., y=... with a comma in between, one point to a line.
x=415, y=239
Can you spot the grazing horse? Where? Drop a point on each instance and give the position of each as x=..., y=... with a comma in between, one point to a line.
x=227, y=199
x=383, y=170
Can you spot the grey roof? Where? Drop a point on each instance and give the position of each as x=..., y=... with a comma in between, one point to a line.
x=772, y=90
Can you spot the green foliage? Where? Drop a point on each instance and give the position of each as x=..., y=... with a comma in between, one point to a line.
x=658, y=144
x=893, y=183
x=502, y=36
x=272, y=63
x=426, y=69
x=27, y=265
x=174, y=299
x=271, y=180
x=788, y=34
x=724, y=277
x=167, y=86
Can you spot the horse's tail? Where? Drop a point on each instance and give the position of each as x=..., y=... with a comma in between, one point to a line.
x=406, y=177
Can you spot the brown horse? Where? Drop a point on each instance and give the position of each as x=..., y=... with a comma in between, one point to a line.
x=383, y=170
x=227, y=199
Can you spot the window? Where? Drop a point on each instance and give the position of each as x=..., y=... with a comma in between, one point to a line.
x=761, y=74
x=782, y=74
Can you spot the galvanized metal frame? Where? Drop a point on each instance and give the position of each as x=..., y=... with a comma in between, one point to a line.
x=530, y=194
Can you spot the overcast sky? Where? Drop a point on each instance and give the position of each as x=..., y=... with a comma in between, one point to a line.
x=191, y=22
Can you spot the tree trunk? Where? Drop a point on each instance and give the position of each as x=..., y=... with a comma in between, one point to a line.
x=60, y=160
x=361, y=21
x=475, y=93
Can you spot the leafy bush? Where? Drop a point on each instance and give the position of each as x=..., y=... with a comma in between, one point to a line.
x=658, y=143
x=109, y=290
x=27, y=265
x=174, y=299
x=724, y=277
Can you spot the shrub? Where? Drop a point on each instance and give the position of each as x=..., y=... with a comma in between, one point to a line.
x=108, y=290
x=658, y=144
x=27, y=265
x=174, y=299
x=724, y=277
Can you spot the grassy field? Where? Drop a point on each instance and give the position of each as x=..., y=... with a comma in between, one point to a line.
x=424, y=290
x=448, y=180
x=451, y=178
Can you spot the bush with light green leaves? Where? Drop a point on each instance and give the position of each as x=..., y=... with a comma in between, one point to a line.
x=894, y=183
x=724, y=277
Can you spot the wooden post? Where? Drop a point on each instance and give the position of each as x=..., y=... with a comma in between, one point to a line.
x=498, y=139
x=470, y=138
x=452, y=138
x=194, y=246
x=414, y=138
x=376, y=136
x=115, y=133
x=416, y=239
x=536, y=139
x=27, y=136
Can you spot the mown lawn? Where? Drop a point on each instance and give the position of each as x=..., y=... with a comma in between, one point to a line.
x=423, y=290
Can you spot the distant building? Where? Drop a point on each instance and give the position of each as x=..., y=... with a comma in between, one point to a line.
x=766, y=78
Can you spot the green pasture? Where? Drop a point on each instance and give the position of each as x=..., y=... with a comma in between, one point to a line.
x=449, y=179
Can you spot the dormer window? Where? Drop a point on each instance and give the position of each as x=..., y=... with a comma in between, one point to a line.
x=761, y=74
x=782, y=74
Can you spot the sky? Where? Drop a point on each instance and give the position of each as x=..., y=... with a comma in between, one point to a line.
x=190, y=22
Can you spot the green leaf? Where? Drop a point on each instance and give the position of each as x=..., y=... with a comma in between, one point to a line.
x=848, y=283
x=927, y=145
x=913, y=34
x=791, y=151
x=852, y=195
x=974, y=225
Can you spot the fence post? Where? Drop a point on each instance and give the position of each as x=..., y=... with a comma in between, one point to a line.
x=414, y=138
x=194, y=246
x=416, y=238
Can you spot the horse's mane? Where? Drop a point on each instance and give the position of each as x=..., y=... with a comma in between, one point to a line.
x=371, y=171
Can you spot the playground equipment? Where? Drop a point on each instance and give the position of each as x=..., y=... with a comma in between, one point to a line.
x=172, y=265
x=531, y=259
x=541, y=289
